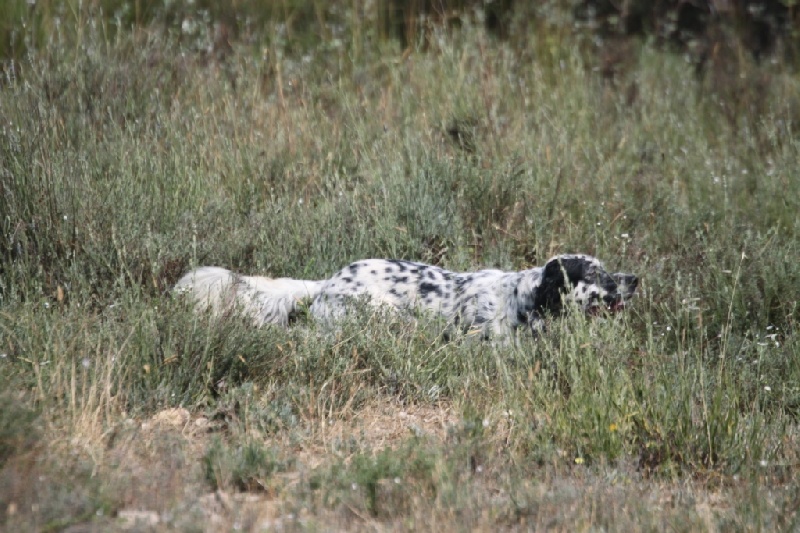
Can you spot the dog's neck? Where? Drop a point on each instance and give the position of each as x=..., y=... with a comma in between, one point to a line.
x=524, y=294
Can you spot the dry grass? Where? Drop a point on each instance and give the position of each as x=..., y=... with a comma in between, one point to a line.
x=151, y=469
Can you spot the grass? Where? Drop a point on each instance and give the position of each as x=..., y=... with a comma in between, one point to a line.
x=128, y=157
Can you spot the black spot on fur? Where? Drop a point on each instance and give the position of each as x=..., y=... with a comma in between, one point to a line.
x=394, y=292
x=373, y=272
x=347, y=280
x=354, y=268
x=426, y=288
x=403, y=279
x=389, y=270
x=401, y=265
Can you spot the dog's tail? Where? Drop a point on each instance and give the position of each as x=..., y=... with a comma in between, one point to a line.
x=264, y=300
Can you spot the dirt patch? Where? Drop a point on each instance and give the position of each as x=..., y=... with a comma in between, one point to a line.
x=159, y=460
x=379, y=425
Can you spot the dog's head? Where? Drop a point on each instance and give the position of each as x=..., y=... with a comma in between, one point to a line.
x=583, y=280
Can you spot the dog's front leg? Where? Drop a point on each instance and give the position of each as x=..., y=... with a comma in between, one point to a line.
x=537, y=325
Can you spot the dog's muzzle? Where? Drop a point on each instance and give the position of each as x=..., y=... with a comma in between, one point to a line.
x=626, y=287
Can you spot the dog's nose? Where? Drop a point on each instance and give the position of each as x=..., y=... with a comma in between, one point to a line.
x=627, y=282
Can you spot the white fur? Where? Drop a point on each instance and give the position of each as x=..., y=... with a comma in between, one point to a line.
x=265, y=300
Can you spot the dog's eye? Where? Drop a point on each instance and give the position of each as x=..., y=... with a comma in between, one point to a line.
x=608, y=282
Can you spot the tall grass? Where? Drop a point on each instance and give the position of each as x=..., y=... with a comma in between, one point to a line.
x=127, y=160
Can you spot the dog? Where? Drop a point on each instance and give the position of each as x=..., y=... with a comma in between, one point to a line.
x=492, y=303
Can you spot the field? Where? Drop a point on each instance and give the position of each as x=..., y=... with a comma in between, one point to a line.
x=128, y=156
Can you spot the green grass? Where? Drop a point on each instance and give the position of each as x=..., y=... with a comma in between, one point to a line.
x=128, y=157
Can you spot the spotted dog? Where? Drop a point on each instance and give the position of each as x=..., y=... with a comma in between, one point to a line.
x=488, y=302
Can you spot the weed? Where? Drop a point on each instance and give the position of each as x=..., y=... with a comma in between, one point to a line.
x=247, y=466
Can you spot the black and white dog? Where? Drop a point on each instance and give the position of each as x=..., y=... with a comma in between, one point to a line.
x=488, y=302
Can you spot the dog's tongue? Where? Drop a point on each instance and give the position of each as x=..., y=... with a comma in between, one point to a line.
x=613, y=307
x=617, y=306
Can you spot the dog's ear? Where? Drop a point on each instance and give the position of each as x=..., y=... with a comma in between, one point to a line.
x=574, y=268
x=559, y=274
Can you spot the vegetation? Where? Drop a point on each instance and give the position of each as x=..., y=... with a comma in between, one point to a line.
x=132, y=151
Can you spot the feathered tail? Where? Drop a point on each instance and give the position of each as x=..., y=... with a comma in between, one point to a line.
x=264, y=300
